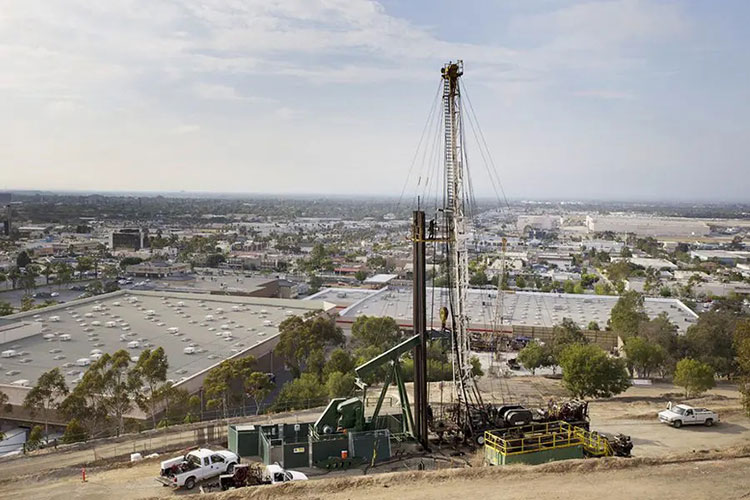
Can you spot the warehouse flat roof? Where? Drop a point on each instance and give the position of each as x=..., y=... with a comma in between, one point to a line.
x=215, y=327
x=343, y=297
x=519, y=308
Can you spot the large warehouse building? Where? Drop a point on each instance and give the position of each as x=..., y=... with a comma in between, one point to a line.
x=196, y=331
x=524, y=313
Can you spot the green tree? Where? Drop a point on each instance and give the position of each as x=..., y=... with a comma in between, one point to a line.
x=23, y=259
x=47, y=271
x=258, y=386
x=563, y=335
x=339, y=384
x=315, y=283
x=602, y=288
x=593, y=325
x=5, y=308
x=520, y=282
x=218, y=384
x=3, y=278
x=46, y=395
x=360, y=275
x=711, y=340
x=340, y=360
x=303, y=392
x=5, y=406
x=578, y=288
x=35, y=438
x=589, y=372
x=27, y=303
x=534, y=356
x=74, y=432
x=742, y=348
x=479, y=278
x=378, y=331
x=299, y=337
x=14, y=275
x=694, y=376
x=151, y=369
x=644, y=356
x=28, y=279
x=84, y=264
x=119, y=385
x=627, y=314
x=214, y=259
x=63, y=274
x=476, y=367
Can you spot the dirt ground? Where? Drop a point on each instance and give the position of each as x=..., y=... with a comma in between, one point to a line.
x=632, y=413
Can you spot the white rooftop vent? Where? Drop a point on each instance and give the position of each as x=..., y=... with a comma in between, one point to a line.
x=116, y=304
x=9, y=353
x=226, y=335
x=189, y=350
x=89, y=315
x=173, y=329
x=21, y=381
x=111, y=324
x=96, y=351
x=219, y=310
x=209, y=317
x=180, y=304
x=134, y=344
x=263, y=311
x=54, y=319
x=96, y=323
x=225, y=327
x=150, y=312
x=65, y=337
x=49, y=335
x=96, y=356
x=83, y=362
x=267, y=323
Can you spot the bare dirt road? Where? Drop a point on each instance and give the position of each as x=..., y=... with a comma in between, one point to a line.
x=613, y=479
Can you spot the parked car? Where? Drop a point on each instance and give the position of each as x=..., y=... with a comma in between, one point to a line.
x=682, y=414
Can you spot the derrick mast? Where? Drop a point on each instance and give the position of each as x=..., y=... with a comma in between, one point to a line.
x=456, y=227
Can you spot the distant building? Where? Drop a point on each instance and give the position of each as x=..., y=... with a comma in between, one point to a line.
x=158, y=269
x=647, y=226
x=129, y=239
x=723, y=256
x=537, y=222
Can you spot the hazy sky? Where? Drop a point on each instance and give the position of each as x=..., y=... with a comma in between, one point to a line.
x=595, y=99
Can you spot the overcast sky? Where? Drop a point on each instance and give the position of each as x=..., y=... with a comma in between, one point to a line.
x=618, y=99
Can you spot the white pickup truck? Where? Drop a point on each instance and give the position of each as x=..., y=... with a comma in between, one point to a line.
x=679, y=415
x=196, y=466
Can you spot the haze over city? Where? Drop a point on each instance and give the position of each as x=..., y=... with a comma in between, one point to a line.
x=623, y=99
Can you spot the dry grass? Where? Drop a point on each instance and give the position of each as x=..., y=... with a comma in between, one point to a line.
x=314, y=490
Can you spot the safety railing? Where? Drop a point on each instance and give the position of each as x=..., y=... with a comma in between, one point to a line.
x=545, y=436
